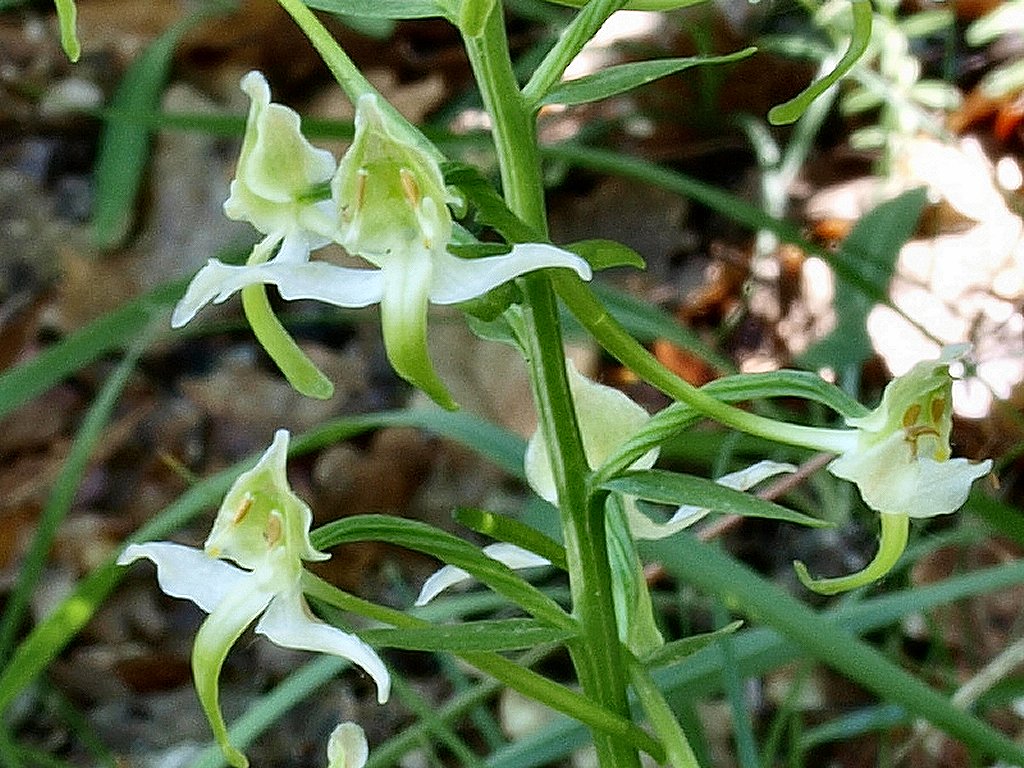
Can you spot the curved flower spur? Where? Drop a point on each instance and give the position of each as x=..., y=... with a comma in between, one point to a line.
x=263, y=527
x=388, y=205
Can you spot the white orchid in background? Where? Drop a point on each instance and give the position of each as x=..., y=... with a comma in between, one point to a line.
x=388, y=205
x=899, y=457
x=346, y=747
x=607, y=418
x=263, y=527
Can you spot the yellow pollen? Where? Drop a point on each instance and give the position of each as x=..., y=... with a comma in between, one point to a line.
x=243, y=509
x=409, y=187
x=272, y=534
x=911, y=415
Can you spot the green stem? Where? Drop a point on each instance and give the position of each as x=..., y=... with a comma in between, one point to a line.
x=351, y=80
x=511, y=674
x=627, y=350
x=597, y=655
x=891, y=543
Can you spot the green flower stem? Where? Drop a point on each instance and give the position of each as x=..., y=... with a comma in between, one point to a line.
x=597, y=655
x=663, y=720
x=512, y=123
x=351, y=80
x=891, y=543
x=569, y=44
x=619, y=343
x=511, y=674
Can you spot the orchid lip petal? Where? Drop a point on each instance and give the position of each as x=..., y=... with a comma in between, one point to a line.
x=288, y=623
x=214, y=639
x=513, y=556
x=403, y=318
x=456, y=279
x=187, y=572
x=320, y=281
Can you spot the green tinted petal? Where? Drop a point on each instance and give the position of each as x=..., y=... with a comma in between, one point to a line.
x=213, y=641
x=403, y=318
x=261, y=514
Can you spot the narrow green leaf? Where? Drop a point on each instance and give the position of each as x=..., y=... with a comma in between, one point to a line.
x=677, y=650
x=790, y=111
x=67, y=17
x=491, y=635
x=664, y=487
x=625, y=77
x=759, y=650
x=381, y=9
x=707, y=568
x=449, y=549
x=605, y=254
x=124, y=144
x=114, y=330
x=61, y=497
x=507, y=529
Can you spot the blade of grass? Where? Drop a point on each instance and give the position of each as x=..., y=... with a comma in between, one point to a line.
x=742, y=725
x=63, y=495
x=113, y=331
x=759, y=650
x=714, y=572
x=124, y=144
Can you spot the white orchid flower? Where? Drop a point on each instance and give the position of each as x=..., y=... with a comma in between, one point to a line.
x=278, y=172
x=899, y=457
x=263, y=527
x=389, y=206
x=346, y=747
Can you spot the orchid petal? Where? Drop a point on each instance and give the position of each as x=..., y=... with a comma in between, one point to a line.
x=288, y=623
x=507, y=554
x=188, y=573
x=214, y=639
x=456, y=279
x=892, y=480
x=261, y=515
x=340, y=286
x=403, y=318
x=607, y=418
x=347, y=747
x=642, y=527
x=277, y=165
